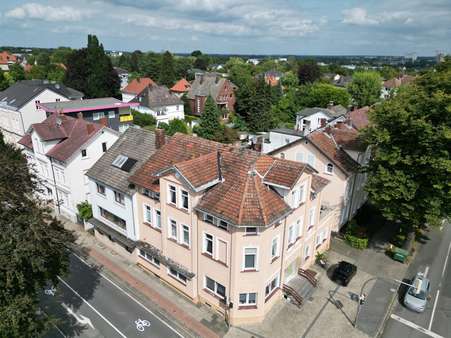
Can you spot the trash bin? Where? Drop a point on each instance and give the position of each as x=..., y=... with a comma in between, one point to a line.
x=400, y=255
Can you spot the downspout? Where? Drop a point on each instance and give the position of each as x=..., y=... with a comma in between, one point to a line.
x=351, y=197
x=283, y=249
x=228, y=301
x=56, y=189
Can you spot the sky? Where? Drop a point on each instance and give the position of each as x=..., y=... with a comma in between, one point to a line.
x=299, y=27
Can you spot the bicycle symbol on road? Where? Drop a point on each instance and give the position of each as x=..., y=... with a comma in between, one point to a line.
x=51, y=291
x=141, y=324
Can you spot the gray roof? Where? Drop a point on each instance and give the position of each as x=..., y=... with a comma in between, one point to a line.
x=287, y=131
x=208, y=84
x=22, y=92
x=334, y=111
x=156, y=96
x=135, y=143
x=79, y=104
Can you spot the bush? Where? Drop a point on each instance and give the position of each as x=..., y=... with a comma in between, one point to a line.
x=143, y=120
x=356, y=235
x=355, y=242
x=84, y=210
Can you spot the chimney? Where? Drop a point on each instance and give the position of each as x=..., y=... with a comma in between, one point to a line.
x=89, y=128
x=160, y=138
x=80, y=115
x=104, y=121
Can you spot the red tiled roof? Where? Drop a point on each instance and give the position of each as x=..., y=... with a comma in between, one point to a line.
x=138, y=85
x=318, y=183
x=359, y=117
x=6, y=57
x=346, y=137
x=181, y=86
x=72, y=133
x=241, y=197
x=26, y=141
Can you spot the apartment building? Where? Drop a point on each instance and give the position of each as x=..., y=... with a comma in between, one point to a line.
x=60, y=150
x=225, y=226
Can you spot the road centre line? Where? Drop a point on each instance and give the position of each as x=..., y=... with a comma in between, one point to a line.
x=433, y=310
x=415, y=326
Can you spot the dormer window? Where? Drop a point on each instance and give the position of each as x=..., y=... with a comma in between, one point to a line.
x=83, y=153
x=329, y=168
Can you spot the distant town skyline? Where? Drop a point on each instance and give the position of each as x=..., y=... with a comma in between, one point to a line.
x=349, y=27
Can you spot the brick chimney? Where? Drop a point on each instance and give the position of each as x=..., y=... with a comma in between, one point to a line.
x=160, y=138
x=104, y=121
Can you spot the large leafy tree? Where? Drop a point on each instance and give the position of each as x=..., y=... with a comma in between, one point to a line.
x=409, y=174
x=90, y=70
x=308, y=72
x=174, y=126
x=167, y=70
x=209, y=125
x=4, y=83
x=33, y=247
x=365, y=88
x=16, y=72
x=321, y=94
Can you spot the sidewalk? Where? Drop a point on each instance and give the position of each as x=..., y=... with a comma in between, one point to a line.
x=198, y=320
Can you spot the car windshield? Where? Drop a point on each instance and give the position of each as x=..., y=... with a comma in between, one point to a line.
x=420, y=295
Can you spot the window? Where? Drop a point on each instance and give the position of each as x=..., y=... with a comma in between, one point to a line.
x=222, y=224
x=311, y=217
x=112, y=218
x=300, y=226
x=172, y=195
x=248, y=298
x=83, y=153
x=119, y=197
x=208, y=244
x=250, y=259
x=147, y=214
x=172, y=229
x=271, y=286
x=251, y=231
x=215, y=287
x=155, y=261
x=300, y=157
x=295, y=198
x=307, y=252
x=100, y=189
x=275, y=247
x=104, y=149
x=282, y=156
x=177, y=275
x=111, y=114
x=329, y=168
x=302, y=194
x=209, y=218
x=97, y=116
x=311, y=159
x=291, y=234
x=57, y=100
x=37, y=102
x=119, y=161
x=186, y=234
x=158, y=219
x=215, y=221
x=185, y=199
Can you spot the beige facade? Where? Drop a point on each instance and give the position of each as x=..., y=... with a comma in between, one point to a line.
x=237, y=271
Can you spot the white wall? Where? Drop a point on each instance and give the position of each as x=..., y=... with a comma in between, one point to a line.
x=277, y=140
x=11, y=125
x=170, y=113
x=127, y=97
x=314, y=120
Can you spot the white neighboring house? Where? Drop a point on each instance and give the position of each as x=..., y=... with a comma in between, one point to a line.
x=19, y=105
x=310, y=119
x=61, y=149
x=161, y=103
x=112, y=197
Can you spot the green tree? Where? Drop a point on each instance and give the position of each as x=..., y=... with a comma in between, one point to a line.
x=60, y=55
x=321, y=94
x=4, y=83
x=150, y=65
x=143, y=120
x=388, y=72
x=289, y=80
x=308, y=72
x=202, y=62
x=196, y=53
x=16, y=72
x=37, y=72
x=409, y=173
x=284, y=111
x=209, y=126
x=175, y=126
x=43, y=59
x=134, y=61
x=33, y=248
x=167, y=70
x=365, y=88
x=55, y=73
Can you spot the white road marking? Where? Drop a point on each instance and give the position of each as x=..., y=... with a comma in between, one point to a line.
x=83, y=320
x=426, y=271
x=433, y=310
x=446, y=260
x=92, y=307
x=415, y=326
x=130, y=296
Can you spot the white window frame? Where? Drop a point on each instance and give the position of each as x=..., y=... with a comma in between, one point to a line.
x=275, y=240
x=215, y=291
x=247, y=302
x=157, y=219
x=300, y=223
x=121, y=200
x=147, y=208
x=302, y=194
x=295, y=198
x=292, y=234
x=312, y=217
x=182, y=199
x=307, y=252
x=170, y=228
x=251, y=233
x=326, y=168
x=271, y=289
x=111, y=114
x=183, y=228
x=170, y=194
x=300, y=156
x=103, y=187
x=204, y=244
x=151, y=259
x=97, y=116
x=311, y=159
x=177, y=276
x=255, y=267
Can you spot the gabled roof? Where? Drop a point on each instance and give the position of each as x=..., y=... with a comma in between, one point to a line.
x=70, y=132
x=22, y=92
x=207, y=84
x=334, y=111
x=181, y=86
x=318, y=183
x=84, y=105
x=6, y=57
x=359, y=117
x=239, y=194
x=137, y=85
x=134, y=143
x=156, y=96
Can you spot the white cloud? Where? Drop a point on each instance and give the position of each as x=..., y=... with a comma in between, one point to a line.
x=360, y=16
x=34, y=10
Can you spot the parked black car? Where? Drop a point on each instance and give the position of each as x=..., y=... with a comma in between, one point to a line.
x=344, y=272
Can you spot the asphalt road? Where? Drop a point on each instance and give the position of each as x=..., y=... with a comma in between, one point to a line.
x=87, y=303
x=434, y=258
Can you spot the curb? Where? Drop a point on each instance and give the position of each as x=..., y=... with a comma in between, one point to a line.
x=387, y=313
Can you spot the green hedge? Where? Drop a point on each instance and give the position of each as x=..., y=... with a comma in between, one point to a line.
x=355, y=242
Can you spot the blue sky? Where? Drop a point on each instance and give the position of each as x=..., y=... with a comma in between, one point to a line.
x=332, y=27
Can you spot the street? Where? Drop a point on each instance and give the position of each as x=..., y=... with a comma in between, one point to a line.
x=87, y=303
x=433, y=258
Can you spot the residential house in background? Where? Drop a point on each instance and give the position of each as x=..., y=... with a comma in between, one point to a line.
x=159, y=102
x=336, y=152
x=19, y=105
x=310, y=119
x=211, y=84
x=341, y=81
x=135, y=87
x=228, y=227
x=112, y=197
x=181, y=87
x=123, y=76
x=390, y=86
x=7, y=59
x=61, y=149
x=111, y=112
x=272, y=77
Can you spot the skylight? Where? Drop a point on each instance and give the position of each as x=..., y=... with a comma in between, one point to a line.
x=119, y=161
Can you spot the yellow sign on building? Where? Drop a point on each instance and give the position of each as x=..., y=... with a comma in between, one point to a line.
x=126, y=118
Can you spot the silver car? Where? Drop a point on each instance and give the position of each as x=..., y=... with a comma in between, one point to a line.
x=417, y=295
